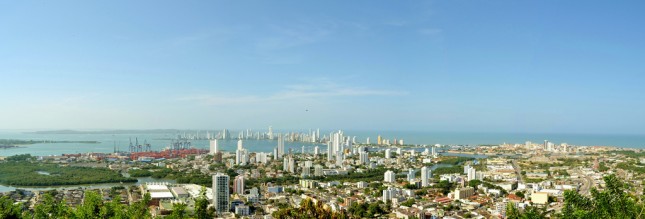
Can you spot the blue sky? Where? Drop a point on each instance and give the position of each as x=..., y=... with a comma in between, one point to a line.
x=470, y=66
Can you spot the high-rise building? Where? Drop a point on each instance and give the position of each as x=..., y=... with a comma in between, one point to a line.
x=367, y=141
x=318, y=170
x=316, y=150
x=388, y=153
x=220, y=193
x=306, y=172
x=337, y=142
x=213, y=147
x=275, y=153
x=425, y=176
x=270, y=133
x=330, y=151
x=434, y=152
x=340, y=158
x=411, y=174
x=379, y=140
x=238, y=185
x=241, y=157
x=303, y=150
x=285, y=164
x=462, y=193
x=292, y=165
x=289, y=164
x=261, y=157
x=218, y=157
x=240, y=144
x=388, y=194
x=364, y=157
x=472, y=174
x=390, y=176
x=280, y=146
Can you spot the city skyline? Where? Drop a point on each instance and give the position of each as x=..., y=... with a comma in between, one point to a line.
x=534, y=67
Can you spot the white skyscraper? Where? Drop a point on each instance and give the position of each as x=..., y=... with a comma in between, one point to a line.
x=388, y=153
x=434, y=152
x=285, y=163
x=241, y=157
x=220, y=193
x=388, y=194
x=472, y=174
x=318, y=170
x=340, y=158
x=292, y=165
x=364, y=157
x=337, y=142
x=261, y=157
x=289, y=164
x=390, y=176
x=308, y=164
x=330, y=151
x=270, y=133
x=240, y=144
x=238, y=185
x=213, y=148
x=316, y=150
x=425, y=176
x=411, y=175
x=303, y=150
x=367, y=141
x=280, y=146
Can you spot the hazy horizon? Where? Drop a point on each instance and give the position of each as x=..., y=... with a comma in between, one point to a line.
x=428, y=66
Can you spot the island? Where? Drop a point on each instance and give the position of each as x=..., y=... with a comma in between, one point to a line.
x=13, y=143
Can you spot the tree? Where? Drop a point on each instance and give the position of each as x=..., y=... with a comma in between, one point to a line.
x=613, y=202
x=519, y=194
x=201, y=206
x=51, y=208
x=530, y=212
x=178, y=211
x=91, y=207
x=408, y=203
x=9, y=210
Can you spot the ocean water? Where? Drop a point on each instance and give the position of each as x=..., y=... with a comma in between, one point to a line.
x=159, y=141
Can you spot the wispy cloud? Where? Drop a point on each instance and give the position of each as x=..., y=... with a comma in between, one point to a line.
x=288, y=37
x=214, y=35
x=324, y=89
x=430, y=31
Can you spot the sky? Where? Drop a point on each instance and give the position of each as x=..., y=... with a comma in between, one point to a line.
x=462, y=66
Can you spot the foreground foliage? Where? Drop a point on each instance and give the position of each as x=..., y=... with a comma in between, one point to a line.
x=309, y=210
x=613, y=202
x=93, y=206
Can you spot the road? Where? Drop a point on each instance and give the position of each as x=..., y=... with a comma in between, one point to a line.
x=518, y=171
x=587, y=182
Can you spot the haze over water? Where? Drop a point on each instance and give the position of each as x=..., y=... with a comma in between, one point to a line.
x=160, y=141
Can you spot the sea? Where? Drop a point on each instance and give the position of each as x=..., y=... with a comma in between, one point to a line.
x=159, y=141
